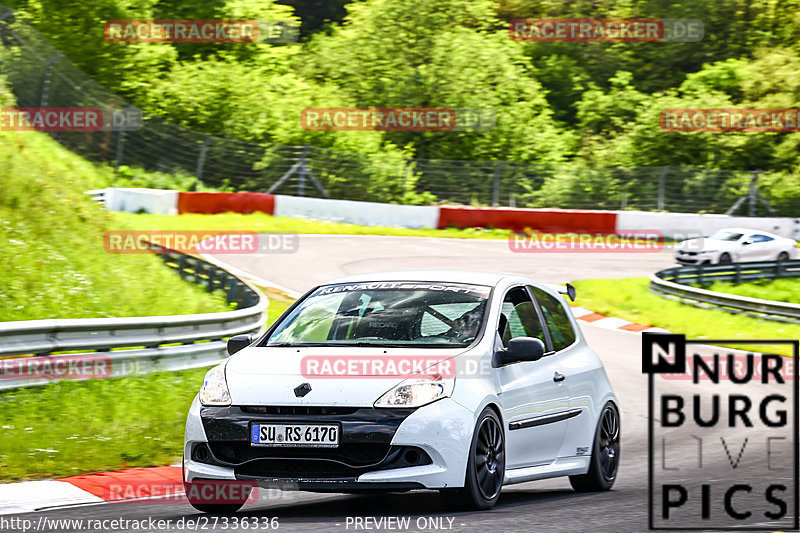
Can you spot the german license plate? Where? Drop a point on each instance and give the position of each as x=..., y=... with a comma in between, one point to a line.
x=297, y=435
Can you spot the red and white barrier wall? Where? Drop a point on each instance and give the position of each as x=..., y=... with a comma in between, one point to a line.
x=671, y=225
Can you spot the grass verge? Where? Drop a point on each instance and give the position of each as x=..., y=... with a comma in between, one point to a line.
x=51, y=244
x=780, y=290
x=68, y=428
x=262, y=222
x=630, y=299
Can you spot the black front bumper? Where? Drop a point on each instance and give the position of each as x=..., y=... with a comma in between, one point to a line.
x=365, y=446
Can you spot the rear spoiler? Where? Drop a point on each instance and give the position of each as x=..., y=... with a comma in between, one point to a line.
x=566, y=290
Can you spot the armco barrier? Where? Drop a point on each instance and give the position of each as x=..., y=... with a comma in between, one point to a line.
x=170, y=342
x=673, y=283
x=545, y=220
x=224, y=202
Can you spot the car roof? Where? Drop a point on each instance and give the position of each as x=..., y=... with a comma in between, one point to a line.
x=450, y=276
x=749, y=231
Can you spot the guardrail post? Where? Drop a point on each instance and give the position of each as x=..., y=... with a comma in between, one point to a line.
x=211, y=280
x=700, y=274
x=738, y=274
x=233, y=293
x=182, y=266
x=778, y=270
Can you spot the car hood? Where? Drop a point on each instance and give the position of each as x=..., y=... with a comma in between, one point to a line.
x=705, y=244
x=268, y=376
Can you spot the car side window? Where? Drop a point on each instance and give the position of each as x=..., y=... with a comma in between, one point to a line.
x=761, y=238
x=519, y=317
x=561, y=332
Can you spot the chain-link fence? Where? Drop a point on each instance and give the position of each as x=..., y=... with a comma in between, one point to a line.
x=41, y=76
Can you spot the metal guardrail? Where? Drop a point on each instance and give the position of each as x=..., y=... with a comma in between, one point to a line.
x=674, y=283
x=137, y=345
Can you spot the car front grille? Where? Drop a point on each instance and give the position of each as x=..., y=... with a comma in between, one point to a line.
x=356, y=454
x=322, y=466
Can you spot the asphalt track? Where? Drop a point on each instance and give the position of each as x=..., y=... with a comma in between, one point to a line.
x=549, y=505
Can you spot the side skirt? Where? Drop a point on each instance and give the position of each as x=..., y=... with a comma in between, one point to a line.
x=566, y=466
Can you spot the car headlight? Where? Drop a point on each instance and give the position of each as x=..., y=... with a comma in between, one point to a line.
x=416, y=393
x=215, y=390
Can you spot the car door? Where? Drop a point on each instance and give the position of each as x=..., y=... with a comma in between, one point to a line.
x=762, y=248
x=533, y=393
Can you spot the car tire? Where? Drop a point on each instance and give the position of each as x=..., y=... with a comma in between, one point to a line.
x=210, y=508
x=724, y=259
x=486, y=467
x=783, y=256
x=604, y=463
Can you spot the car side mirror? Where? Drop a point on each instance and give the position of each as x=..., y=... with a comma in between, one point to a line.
x=238, y=343
x=520, y=349
x=745, y=243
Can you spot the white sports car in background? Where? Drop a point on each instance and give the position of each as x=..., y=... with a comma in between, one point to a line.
x=735, y=245
x=457, y=381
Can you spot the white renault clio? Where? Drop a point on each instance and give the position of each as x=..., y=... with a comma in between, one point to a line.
x=458, y=381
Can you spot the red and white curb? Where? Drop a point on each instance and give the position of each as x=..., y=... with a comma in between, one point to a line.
x=120, y=485
x=608, y=322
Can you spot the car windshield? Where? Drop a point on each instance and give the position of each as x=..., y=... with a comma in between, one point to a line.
x=392, y=313
x=723, y=235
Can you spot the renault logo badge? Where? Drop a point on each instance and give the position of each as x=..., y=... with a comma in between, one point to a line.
x=302, y=390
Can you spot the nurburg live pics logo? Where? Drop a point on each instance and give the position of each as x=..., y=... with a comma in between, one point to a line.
x=722, y=435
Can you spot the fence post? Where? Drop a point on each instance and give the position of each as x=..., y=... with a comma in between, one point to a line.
x=496, y=184
x=120, y=149
x=661, y=187
x=46, y=80
x=752, y=193
x=201, y=159
x=301, y=177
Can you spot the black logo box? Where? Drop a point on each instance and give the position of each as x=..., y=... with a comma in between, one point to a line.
x=674, y=347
